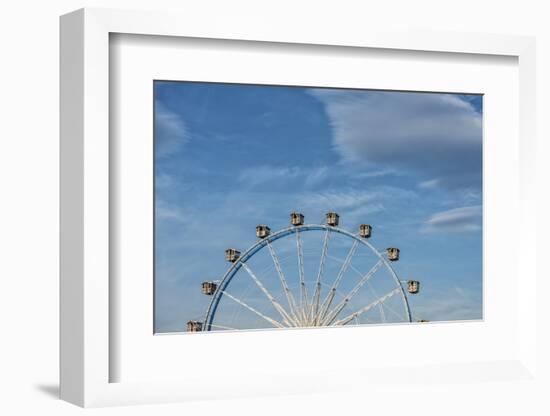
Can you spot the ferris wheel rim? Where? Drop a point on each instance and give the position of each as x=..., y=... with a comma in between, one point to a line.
x=262, y=243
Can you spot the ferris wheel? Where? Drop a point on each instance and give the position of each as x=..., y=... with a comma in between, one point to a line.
x=307, y=275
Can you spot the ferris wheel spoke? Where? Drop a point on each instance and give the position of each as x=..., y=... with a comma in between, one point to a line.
x=383, y=307
x=332, y=315
x=289, y=296
x=251, y=309
x=332, y=291
x=304, y=300
x=347, y=262
x=354, y=269
x=224, y=327
x=317, y=294
x=393, y=312
x=382, y=313
x=284, y=314
x=361, y=311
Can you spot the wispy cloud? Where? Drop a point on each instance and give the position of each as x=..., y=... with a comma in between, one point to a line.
x=308, y=176
x=261, y=174
x=354, y=204
x=343, y=201
x=429, y=184
x=171, y=132
x=432, y=135
x=166, y=211
x=455, y=220
x=316, y=176
x=258, y=175
x=376, y=173
x=450, y=303
x=164, y=181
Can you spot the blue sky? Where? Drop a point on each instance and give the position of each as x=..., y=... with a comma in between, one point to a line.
x=229, y=157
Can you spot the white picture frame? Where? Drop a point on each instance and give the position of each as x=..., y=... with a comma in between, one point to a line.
x=87, y=354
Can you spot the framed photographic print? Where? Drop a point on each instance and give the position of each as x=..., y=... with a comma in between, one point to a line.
x=403, y=170
x=271, y=213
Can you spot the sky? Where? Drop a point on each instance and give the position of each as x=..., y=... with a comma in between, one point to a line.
x=230, y=156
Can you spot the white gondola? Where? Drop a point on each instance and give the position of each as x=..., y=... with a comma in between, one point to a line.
x=296, y=218
x=208, y=288
x=262, y=231
x=332, y=219
x=232, y=255
x=365, y=230
x=413, y=286
x=194, y=326
x=393, y=253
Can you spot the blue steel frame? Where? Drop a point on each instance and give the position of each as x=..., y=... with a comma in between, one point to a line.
x=235, y=267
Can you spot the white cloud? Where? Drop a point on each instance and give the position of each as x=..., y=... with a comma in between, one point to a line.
x=171, y=132
x=165, y=211
x=308, y=176
x=449, y=303
x=456, y=220
x=261, y=174
x=429, y=184
x=353, y=204
x=258, y=175
x=316, y=176
x=377, y=173
x=342, y=200
x=433, y=135
x=164, y=181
